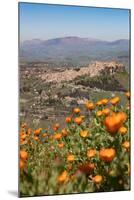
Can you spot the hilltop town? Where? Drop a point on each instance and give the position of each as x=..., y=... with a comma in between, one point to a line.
x=47, y=91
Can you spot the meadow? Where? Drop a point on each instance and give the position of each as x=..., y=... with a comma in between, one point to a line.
x=91, y=153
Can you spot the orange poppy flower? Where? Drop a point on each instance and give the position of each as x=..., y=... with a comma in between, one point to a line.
x=107, y=154
x=99, y=113
x=76, y=110
x=68, y=119
x=61, y=145
x=99, y=103
x=78, y=120
x=115, y=100
x=91, y=153
x=64, y=132
x=36, y=138
x=97, y=179
x=64, y=177
x=22, y=142
x=70, y=158
x=127, y=94
x=122, y=130
x=57, y=136
x=86, y=168
x=114, y=122
x=104, y=101
x=106, y=111
x=112, y=125
x=22, y=133
x=37, y=131
x=90, y=106
x=22, y=164
x=56, y=126
x=23, y=136
x=23, y=155
x=122, y=116
x=126, y=145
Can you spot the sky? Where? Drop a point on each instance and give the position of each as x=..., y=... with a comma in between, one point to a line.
x=43, y=21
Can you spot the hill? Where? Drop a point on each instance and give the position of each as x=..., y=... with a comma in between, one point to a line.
x=75, y=50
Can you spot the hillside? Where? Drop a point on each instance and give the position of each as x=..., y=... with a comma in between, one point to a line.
x=75, y=50
x=47, y=93
x=94, y=69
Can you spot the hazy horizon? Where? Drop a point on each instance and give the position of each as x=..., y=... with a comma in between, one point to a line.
x=45, y=21
x=42, y=39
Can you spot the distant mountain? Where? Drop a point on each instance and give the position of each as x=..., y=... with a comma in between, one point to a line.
x=119, y=42
x=73, y=49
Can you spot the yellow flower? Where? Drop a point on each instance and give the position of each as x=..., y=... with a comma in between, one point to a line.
x=84, y=133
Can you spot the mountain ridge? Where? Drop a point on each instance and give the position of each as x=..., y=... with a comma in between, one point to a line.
x=73, y=49
x=88, y=39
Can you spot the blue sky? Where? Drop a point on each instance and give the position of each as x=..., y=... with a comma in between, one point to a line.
x=44, y=21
